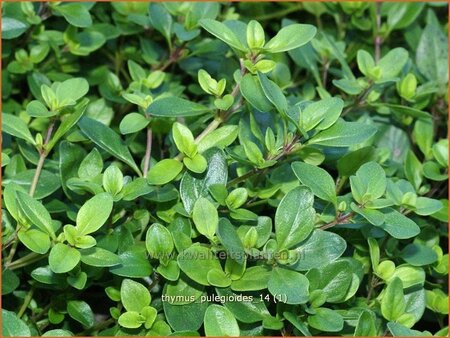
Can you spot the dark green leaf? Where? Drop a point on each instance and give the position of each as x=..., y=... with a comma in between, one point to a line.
x=418, y=254
x=81, y=312
x=291, y=286
x=176, y=107
x=343, y=134
x=75, y=14
x=108, y=140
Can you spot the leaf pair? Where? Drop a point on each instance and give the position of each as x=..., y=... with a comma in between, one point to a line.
x=289, y=37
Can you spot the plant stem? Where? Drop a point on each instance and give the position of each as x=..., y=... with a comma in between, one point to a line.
x=26, y=302
x=340, y=184
x=25, y=260
x=286, y=151
x=174, y=57
x=37, y=173
x=243, y=177
x=339, y=220
x=42, y=156
x=12, y=252
x=211, y=127
x=373, y=283
x=148, y=151
x=326, y=66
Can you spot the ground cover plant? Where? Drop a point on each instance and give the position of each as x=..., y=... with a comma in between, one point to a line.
x=224, y=169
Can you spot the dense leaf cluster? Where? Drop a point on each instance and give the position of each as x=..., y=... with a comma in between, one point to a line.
x=224, y=169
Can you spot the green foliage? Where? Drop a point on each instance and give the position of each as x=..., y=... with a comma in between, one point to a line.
x=213, y=169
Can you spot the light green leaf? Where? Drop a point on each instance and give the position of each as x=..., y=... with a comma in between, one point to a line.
x=134, y=295
x=223, y=33
x=218, y=278
x=317, y=179
x=72, y=90
x=91, y=166
x=197, y=164
x=252, y=91
x=427, y=206
x=196, y=261
x=94, y=213
x=36, y=109
x=63, y=258
x=374, y=217
x=219, y=321
x=321, y=115
x=294, y=218
x=12, y=326
x=159, y=242
x=164, y=171
x=58, y=333
x=236, y=198
x=131, y=319
x=393, y=302
x=365, y=62
x=113, y=180
x=67, y=123
x=184, y=139
x=219, y=138
x=35, y=212
x=132, y=123
x=35, y=240
x=15, y=126
x=205, y=217
x=290, y=37
x=392, y=63
x=255, y=35
x=99, y=257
